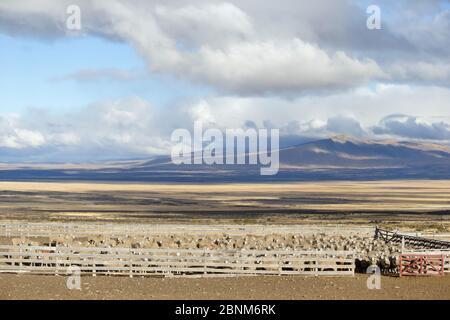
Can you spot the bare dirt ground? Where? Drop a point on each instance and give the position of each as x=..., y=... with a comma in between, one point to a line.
x=247, y=288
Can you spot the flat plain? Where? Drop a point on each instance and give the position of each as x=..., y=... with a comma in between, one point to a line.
x=416, y=203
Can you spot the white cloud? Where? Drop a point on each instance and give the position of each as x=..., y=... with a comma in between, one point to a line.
x=214, y=43
x=132, y=127
x=413, y=127
x=424, y=72
x=284, y=64
x=345, y=125
x=14, y=137
x=283, y=67
x=87, y=75
x=123, y=128
x=367, y=105
x=212, y=23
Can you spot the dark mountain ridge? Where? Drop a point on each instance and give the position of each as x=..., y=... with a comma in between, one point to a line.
x=337, y=158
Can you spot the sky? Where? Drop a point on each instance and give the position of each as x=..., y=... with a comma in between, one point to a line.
x=136, y=70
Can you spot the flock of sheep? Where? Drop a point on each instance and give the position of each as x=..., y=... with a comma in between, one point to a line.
x=368, y=251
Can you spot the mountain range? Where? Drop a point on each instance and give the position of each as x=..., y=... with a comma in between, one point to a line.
x=336, y=158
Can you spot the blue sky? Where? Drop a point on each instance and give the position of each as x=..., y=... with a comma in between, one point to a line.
x=29, y=68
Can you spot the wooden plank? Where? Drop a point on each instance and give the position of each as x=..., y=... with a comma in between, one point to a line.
x=117, y=264
x=178, y=250
x=32, y=259
x=133, y=257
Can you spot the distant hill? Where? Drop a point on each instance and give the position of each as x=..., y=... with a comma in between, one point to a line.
x=337, y=158
x=348, y=152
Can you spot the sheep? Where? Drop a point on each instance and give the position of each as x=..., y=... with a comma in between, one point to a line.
x=393, y=262
x=384, y=264
x=19, y=241
x=61, y=240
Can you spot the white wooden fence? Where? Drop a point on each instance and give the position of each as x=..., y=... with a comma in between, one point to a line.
x=173, y=262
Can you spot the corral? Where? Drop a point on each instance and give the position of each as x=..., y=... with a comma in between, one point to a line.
x=136, y=249
x=195, y=250
x=173, y=262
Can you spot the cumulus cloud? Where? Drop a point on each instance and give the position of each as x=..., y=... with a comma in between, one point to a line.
x=194, y=25
x=15, y=137
x=421, y=72
x=413, y=127
x=366, y=105
x=345, y=125
x=134, y=128
x=310, y=69
x=107, y=130
x=233, y=46
x=286, y=67
x=427, y=25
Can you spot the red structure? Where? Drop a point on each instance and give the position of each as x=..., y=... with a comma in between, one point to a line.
x=412, y=264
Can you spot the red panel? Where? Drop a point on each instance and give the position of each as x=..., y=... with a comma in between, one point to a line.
x=421, y=265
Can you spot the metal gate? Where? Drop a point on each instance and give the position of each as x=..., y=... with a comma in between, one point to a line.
x=421, y=265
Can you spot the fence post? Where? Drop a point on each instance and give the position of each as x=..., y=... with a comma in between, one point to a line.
x=204, y=261
x=20, y=256
x=131, y=263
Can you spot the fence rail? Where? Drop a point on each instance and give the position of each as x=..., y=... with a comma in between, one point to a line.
x=173, y=262
x=411, y=240
x=421, y=264
x=444, y=252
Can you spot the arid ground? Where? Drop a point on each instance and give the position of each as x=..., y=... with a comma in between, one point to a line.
x=400, y=204
x=295, y=287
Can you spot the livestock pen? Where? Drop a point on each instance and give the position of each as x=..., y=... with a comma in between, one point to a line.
x=173, y=262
